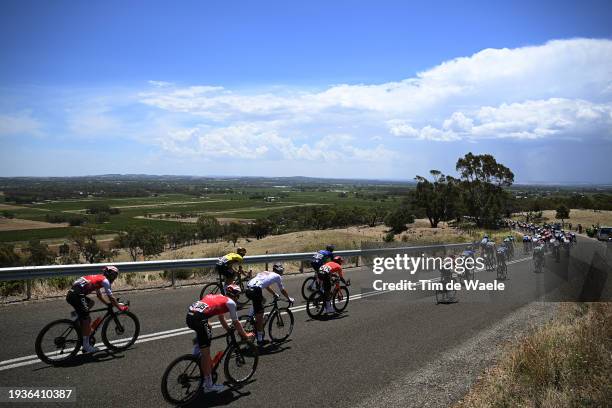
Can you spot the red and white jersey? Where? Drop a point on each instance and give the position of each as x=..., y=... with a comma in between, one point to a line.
x=89, y=283
x=213, y=305
x=332, y=267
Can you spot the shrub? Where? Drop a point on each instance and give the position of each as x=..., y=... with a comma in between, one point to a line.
x=61, y=282
x=389, y=237
x=8, y=288
x=179, y=274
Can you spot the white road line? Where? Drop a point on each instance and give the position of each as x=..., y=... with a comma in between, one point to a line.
x=33, y=359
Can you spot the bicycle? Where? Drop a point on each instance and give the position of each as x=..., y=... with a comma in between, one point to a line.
x=60, y=340
x=182, y=379
x=502, y=271
x=340, y=298
x=280, y=321
x=214, y=288
x=310, y=285
x=489, y=261
x=446, y=295
x=538, y=263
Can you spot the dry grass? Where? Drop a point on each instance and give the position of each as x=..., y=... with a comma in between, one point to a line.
x=584, y=217
x=16, y=224
x=9, y=207
x=566, y=363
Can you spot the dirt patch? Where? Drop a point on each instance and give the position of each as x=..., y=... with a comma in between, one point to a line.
x=17, y=224
x=584, y=217
x=9, y=207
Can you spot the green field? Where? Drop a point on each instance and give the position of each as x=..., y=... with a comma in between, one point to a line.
x=231, y=205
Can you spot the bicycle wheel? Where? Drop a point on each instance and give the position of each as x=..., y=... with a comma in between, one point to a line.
x=210, y=289
x=439, y=295
x=58, y=341
x=120, y=331
x=315, y=304
x=281, y=325
x=240, y=362
x=340, y=299
x=308, y=286
x=182, y=380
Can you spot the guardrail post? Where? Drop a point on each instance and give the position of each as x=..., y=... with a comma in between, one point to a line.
x=28, y=284
x=301, y=266
x=172, y=277
x=267, y=263
x=357, y=261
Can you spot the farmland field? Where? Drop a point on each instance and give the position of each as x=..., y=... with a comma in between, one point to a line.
x=162, y=211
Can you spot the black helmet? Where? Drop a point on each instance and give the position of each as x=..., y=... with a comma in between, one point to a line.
x=110, y=272
x=330, y=248
x=278, y=268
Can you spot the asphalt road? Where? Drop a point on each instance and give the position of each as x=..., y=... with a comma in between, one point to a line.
x=337, y=362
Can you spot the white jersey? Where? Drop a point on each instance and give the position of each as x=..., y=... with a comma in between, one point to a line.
x=264, y=279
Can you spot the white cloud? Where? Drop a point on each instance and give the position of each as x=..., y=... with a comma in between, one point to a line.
x=531, y=92
x=20, y=124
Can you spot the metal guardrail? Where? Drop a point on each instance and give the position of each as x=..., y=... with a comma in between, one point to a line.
x=42, y=272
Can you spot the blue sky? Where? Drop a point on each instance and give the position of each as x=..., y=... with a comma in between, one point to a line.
x=334, y=89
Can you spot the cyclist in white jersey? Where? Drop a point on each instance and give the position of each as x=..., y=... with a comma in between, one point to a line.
x=254, y=291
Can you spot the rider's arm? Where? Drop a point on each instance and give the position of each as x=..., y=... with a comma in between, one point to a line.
x=99, y=295
x=269, y=289
x=111, y=298
x=223, y=322
x=231, y=308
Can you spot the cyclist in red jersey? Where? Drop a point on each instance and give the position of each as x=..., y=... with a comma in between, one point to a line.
x=77, y=297
x=197, y=320
x=325, y=273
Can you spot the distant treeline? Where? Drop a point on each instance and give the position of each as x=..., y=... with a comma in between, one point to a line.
x=597, y=201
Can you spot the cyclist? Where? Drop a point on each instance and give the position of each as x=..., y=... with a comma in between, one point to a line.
x=501, y=255
x=484, y=242
x=490, y=251
x=324, y=274
x=197, y=320
x=319, y=259
x=538, y=255
x=509, y=247
x=225, y=265
x=77, y=297
x=526, y=243
x=254, y=291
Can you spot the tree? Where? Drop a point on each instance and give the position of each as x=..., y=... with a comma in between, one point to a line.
x=86, y=244
x=67, y=255
x=208, y=228
x=482, y=182
x=397, y=219
x=153, y=243
x=563, y=213
x=143, y=241
x=260, y=228
x=38, y=254
x=8, y=257
x=234, y=231
x=437, y=198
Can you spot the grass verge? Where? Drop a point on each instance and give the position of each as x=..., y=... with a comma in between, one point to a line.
x=566, y=363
